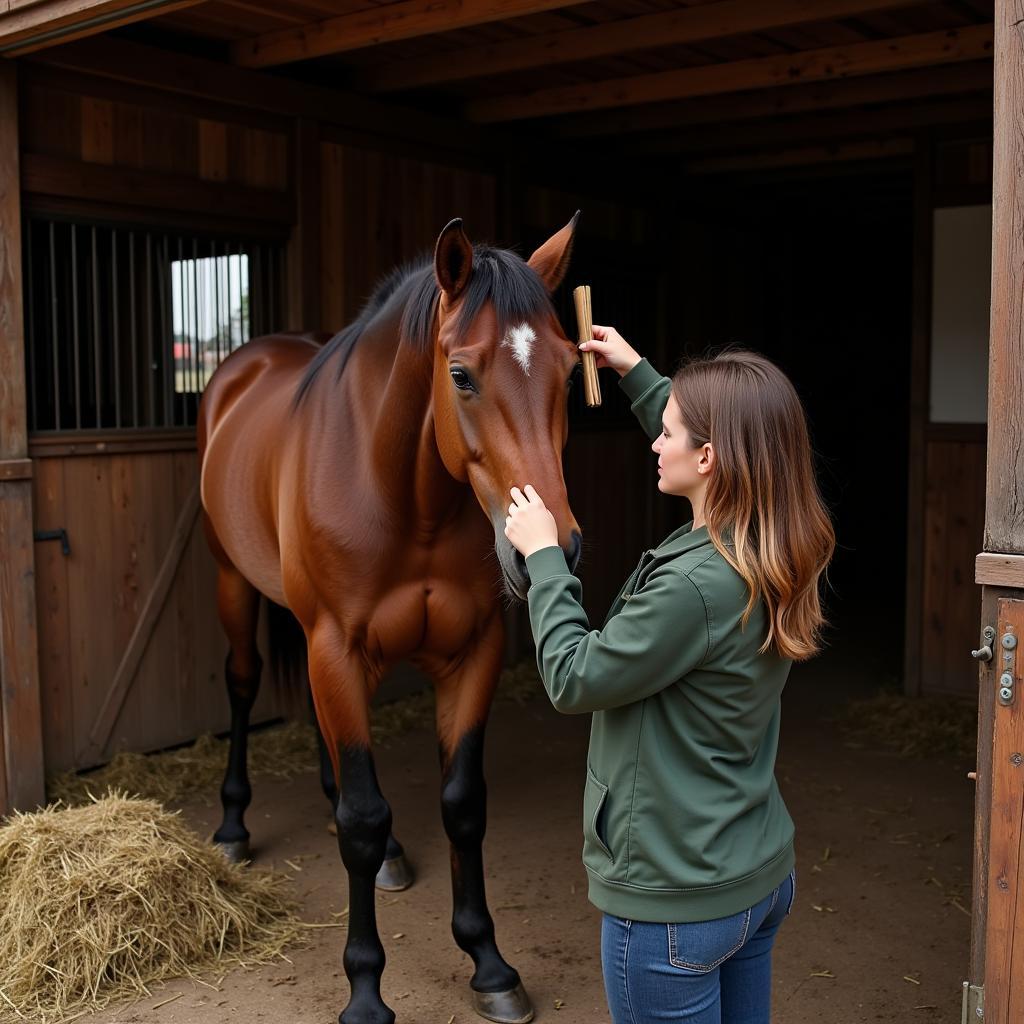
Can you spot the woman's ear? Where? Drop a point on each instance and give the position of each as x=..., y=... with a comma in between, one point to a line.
x=706, y=463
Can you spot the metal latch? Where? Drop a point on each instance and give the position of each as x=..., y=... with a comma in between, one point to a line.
x=1008, y=651
x=61, y=535
x=973, y=1009
x=984, y=653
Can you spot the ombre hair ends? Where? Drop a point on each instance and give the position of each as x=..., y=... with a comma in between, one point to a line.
x=763, y=509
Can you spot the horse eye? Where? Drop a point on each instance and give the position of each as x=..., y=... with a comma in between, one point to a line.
x=462, y=379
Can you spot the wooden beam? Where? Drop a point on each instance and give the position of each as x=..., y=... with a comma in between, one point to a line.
x=1004, y=502
x=995, y=570
x=871, y=149
x=612, y=38
x=818, y=128
x=881, y=55
x=386, y=24
x=76, y=179
x=924, y=83
x=21, y=743
x=28, y=27
x=151, y=67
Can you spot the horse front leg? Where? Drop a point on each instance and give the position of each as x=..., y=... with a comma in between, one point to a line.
x=464, y=697
x=395, y=873
x=341, y=692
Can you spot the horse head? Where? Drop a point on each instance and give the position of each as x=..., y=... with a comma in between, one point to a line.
x=502, y=370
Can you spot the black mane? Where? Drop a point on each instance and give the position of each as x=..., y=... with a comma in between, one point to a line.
x=499, y=277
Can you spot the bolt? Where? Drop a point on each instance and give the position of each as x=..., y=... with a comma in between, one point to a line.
x=979, y=1013
x=1016, y=760
x=1009, y=641
x=1006, y=679
x=989, y=633
x=1005, y=693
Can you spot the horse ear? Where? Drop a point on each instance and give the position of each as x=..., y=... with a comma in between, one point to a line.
x=551, y=260
x=453, y=259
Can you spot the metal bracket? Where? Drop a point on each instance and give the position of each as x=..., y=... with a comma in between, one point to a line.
x=1007, y=666
x=973, y=1009
x=61, y=535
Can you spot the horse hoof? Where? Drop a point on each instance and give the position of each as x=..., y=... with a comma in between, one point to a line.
x=510, y=1007
x=237, y=852
x=394, y=875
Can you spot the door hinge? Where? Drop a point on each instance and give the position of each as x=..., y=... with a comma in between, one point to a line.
x=1007, y=666
x=973, y=1009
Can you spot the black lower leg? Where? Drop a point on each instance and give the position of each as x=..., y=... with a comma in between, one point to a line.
x=236, y=793
x=464, y=810
x=364, y=823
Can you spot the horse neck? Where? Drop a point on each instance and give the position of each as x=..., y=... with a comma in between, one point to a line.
x=406, y=462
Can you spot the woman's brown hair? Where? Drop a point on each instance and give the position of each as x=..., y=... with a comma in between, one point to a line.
x=763, y=509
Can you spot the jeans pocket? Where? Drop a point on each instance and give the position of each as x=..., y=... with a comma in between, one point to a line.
x=702, y=946
x=792, y=892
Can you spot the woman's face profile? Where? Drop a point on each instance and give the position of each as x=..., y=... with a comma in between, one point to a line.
x=682, y=469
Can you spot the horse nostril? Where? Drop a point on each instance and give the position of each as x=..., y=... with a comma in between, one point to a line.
x=572, y=553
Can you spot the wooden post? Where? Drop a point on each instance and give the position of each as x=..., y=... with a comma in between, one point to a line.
x=21, y=745
x=996, y=960
x=920, y=349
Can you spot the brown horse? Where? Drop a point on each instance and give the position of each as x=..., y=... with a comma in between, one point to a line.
x=345, y=482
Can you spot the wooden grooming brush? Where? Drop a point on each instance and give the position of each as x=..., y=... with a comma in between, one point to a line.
x=585, y=319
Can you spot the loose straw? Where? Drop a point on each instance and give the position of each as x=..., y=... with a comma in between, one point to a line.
x=585, y=319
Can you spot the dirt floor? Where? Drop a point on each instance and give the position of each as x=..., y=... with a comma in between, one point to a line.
x=879, y=932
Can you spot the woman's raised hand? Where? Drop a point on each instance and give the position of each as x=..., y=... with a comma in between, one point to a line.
x=612, y=349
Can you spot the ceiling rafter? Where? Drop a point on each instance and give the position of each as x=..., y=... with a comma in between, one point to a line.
x=922, y=83
x=834, y=62
x=666, y=28
x=389, y=23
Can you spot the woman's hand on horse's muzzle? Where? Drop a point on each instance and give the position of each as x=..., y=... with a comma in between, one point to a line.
x=529, y=525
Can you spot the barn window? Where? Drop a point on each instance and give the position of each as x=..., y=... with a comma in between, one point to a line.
x=124, y=326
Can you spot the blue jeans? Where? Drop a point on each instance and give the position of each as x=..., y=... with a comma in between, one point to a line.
x=703, y=972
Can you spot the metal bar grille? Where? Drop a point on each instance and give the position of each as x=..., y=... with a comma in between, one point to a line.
x=124, y=327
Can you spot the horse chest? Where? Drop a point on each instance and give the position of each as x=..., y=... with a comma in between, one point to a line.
x=427, y=616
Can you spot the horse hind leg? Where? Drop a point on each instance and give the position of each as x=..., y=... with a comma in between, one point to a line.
x=238, y=609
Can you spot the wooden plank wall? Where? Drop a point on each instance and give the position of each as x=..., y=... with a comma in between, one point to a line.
x=954, y=519
x=380, y=210
x=370, y=211
x=20, y=760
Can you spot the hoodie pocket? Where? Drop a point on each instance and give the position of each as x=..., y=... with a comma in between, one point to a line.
x=594, y=798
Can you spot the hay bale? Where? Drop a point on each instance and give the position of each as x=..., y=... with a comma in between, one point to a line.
x=99, y=902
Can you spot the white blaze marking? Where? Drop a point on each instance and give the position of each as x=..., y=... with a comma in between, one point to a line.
x=520, y=339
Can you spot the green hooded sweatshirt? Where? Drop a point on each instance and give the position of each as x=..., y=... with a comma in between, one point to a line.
x=682, y=817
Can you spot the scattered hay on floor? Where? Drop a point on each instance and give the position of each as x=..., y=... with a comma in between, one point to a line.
x=99, y=902
x=913, y=726
x=170, y=776
x=281, y=751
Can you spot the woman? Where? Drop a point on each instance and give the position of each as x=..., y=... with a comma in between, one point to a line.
x=687, y=843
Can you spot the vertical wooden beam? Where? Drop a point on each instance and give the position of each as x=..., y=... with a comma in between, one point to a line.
x=21, y=727
x=304, y=244
x=920, y=346
x=1004, y=505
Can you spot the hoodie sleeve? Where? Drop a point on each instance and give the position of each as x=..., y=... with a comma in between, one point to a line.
x=657, y=638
